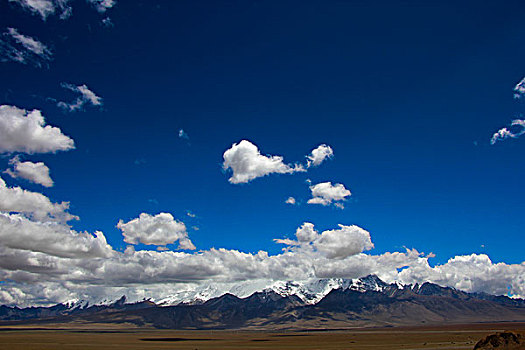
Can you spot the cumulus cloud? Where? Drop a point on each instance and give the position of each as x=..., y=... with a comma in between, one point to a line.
x=519, y=89
x=344, y=242
x=22, y=131
x=290, y=200
x=86, y=97
x=247, y=163
x=161, y=229
x=333, y=244
x=319, y=155
x=325, y=193
x=306, y=233
x=102, y=5
x=44, y=8
x=32, y=204
x=516, y=129
x=35, y=172
x=23, y=49
x=43, y=273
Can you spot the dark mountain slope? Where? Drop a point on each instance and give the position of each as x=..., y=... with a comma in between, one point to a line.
x=382, y=305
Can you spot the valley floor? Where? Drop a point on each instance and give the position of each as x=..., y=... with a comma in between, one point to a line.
x=77, y=336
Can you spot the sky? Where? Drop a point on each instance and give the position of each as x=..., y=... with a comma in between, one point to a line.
x=152, y=146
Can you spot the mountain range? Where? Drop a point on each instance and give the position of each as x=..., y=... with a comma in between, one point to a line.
x=315, y=304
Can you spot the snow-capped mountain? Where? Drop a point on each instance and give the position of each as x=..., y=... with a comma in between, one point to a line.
x=309, y=291
x=333, y=302
x=76, y=304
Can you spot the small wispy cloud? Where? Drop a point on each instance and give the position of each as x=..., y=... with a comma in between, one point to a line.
x=183, y=134
x=86, y=97
x=107, y=22
x=325, y=193
x=519, y=89
x=290, y=200
x=44, y=8
x=516, y=129
x=102, y=5
x=17, y=47
x=139, y=161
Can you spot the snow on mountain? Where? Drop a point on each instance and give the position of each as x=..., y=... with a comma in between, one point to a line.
x=310, y=291
x=203, y=293
x=74, y=304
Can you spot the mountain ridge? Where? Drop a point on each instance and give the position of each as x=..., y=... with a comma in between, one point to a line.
x=334, y=303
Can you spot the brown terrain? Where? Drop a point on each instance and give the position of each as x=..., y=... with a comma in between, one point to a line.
x=126, y=336
x=421, y=317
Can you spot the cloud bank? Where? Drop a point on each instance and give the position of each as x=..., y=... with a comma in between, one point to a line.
x=50, y=263
x=32, y=204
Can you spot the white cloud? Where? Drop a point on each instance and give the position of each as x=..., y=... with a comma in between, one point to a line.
x=344, y=242
x=161, y=229
x=107, y=22
x=44, y=8
x=102, y=5
x=22, y=131
x=247, y=163
x=35, y=172
x=41, y=270
x=86, y=97
x=306, y=233
x=32, y=204
x=472, y=273
x=29, y=43
x=319, y=155
x=183, y=135
x=23, y=49
x=333, y=244
x=55, y=239
x=290, y=200
x=519, y=89
x=325, y=193
x=517, y=128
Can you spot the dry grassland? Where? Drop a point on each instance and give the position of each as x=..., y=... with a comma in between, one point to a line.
x=93, y=336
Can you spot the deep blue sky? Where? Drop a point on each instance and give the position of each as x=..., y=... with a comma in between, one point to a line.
x=408, y=94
